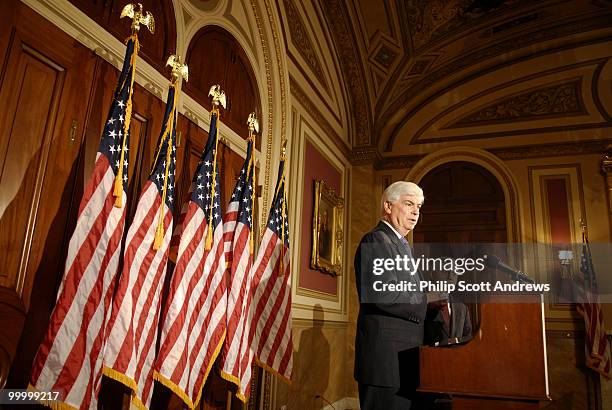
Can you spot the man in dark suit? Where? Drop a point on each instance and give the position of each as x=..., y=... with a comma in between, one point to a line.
x=390, y=322
x=447, y=322
x=448, y=319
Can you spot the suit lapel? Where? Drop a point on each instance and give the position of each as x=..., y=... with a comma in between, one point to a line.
x=402, y=249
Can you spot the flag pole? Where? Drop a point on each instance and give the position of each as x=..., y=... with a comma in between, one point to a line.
x=585, y=231
x=138, y=17
x=253, y=128
x=218, y=98
x=283, y=158
x=178, y=70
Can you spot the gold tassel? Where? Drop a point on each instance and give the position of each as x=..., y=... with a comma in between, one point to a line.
x=208, y=244
x=159, y=232
x=118, y=192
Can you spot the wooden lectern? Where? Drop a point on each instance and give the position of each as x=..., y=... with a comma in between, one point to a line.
x=502, y=368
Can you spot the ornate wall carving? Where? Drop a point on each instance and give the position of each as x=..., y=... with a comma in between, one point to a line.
x=554, y=100
x=351, y=67
x=300, y=95
x=364, y=155
x=301, y=40
x=510, y=153
x=407, y=96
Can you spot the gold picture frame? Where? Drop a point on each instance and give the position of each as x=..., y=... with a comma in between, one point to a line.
x=327, y=230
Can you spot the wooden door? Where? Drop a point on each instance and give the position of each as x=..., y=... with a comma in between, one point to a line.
x=464, y=203
x=45, y=85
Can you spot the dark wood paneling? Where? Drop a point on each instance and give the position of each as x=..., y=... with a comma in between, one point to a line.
x=505, y=360
x=45, y=89
x=215, y=57
x=55, y=95
x=464, y=200
x=155, y=48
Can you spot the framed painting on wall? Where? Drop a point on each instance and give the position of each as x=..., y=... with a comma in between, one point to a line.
x=327, y=230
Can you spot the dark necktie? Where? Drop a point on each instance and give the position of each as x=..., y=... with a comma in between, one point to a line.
x=407, y=245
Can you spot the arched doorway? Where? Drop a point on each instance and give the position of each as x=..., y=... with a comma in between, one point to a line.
x=464, y=203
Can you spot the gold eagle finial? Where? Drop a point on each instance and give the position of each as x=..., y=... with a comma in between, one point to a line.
x=253, y=123
x=139, y=17
x=178, y=69
x=218, y=96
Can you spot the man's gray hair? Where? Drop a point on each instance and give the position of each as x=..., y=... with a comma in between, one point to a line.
x=396, y=190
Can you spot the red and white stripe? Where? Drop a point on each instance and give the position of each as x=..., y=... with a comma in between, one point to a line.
x=270, y=317
x=70, y=358
x=238, y=240
x=597, y=346
x=194, y=320
x=132, y=327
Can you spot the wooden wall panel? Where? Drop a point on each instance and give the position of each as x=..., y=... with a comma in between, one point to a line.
x=56, y=95
x=45, y=89
x=463, y=203
x=155, y=48
x=31, y=82
x=215, y=57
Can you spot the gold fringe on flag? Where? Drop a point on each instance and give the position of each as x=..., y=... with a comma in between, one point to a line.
x=55, y=404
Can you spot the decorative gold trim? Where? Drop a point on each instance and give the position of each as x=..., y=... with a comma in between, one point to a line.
x=327, y=324
x=266, y=53
x=54, y=405
x=409, y=94
x=315, y=294
x=560, y=149
x=327, y=236
x=302, y=97
x=120, y=377
x=534, y=103
x=326, y=310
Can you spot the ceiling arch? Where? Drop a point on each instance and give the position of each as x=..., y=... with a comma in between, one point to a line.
x=410, y=52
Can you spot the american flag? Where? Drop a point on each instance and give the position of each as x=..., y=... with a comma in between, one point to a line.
x=270, y=310
x=597, y=346
x=70, y=358
x=237, y=228
x=132, y=327
x=194, y=320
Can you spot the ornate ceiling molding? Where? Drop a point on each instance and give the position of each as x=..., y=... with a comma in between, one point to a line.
x=409, y=96
x=542, y=76
x=552, y=150
x=560, y=99
x=300, y=95
x=351, y=66
x=428, y=20
x=301, y=39
x=366, y=154
x=511, y=153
